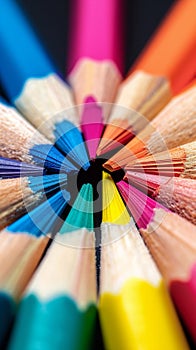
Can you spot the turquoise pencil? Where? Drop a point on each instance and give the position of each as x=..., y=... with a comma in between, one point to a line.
x=22, y=246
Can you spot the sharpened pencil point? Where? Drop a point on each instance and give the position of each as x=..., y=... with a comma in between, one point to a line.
x=111, y=166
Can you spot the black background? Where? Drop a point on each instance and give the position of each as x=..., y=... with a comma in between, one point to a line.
x=50, y=19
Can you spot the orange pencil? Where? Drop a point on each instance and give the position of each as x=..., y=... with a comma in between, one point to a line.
x=160, y=54
x=173, y=126
x=166, y=65
x=179, y=162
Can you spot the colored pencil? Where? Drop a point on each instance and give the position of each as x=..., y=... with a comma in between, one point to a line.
x=95, y=60
x=179, y=161
x=21, y=141
x=165, y=66
x=10, y=168
x=18, y=196
x=177, y=194
x=31, y=82
x=19, y=256
x=179, y=49
x=95, y=51
x=92, y=124
x=134, y=306
x=55, y=300
x=172, y=127
x=171, y=240
x=43, y=220
x=81, y=213
x=113, y=209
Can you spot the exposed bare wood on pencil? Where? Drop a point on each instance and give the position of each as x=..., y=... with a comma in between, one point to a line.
x=177, y=122
x=122, y=246
x=15, y=196
x=58, y=262
x=25, y=252
x=174, y=126
x=172, y=244
x=99, y=79
x=144, y=93
x=43, y=99
x=179, y=195
x=180, y=161
x=140, y=97
x=17, y=136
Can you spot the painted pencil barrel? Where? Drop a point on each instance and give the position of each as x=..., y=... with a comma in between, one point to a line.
x=54, y=324
x=171, y=53
x=96, y=31
x=183, y=294
x=19, y=62
x=140, y=317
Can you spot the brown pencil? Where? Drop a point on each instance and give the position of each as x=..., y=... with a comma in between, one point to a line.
x=173, y=126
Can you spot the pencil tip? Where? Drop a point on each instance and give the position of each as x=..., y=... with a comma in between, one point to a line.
x=111, y=166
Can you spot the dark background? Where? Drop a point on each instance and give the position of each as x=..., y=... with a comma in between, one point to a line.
x=50, y=19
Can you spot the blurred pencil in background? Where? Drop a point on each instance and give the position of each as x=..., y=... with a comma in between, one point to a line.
x=166, y=65
x=95, y=60
x=33, y=85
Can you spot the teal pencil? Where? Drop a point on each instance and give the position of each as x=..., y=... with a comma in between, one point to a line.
x=58, y=308
x=25, y=240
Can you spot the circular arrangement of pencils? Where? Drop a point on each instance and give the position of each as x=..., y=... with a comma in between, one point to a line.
x=98, y=186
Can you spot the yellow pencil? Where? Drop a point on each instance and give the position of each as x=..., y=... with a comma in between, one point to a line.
x=135, y=308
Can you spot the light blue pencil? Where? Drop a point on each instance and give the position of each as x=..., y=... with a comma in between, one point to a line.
x=33, y=85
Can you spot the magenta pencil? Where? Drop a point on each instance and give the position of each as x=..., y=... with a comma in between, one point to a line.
x=96, y=31
x=95, y=62
x=171, y=241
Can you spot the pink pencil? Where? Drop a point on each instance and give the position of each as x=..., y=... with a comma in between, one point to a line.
x=95, y=61
x=96, y=31
x=171, y=241
x=176, y=193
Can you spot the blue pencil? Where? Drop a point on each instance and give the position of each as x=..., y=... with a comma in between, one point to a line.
x=21, y=141
x=33, y=85
x=18, y=195
x=10, y=168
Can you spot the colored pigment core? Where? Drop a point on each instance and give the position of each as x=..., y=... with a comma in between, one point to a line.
x=93, y=176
